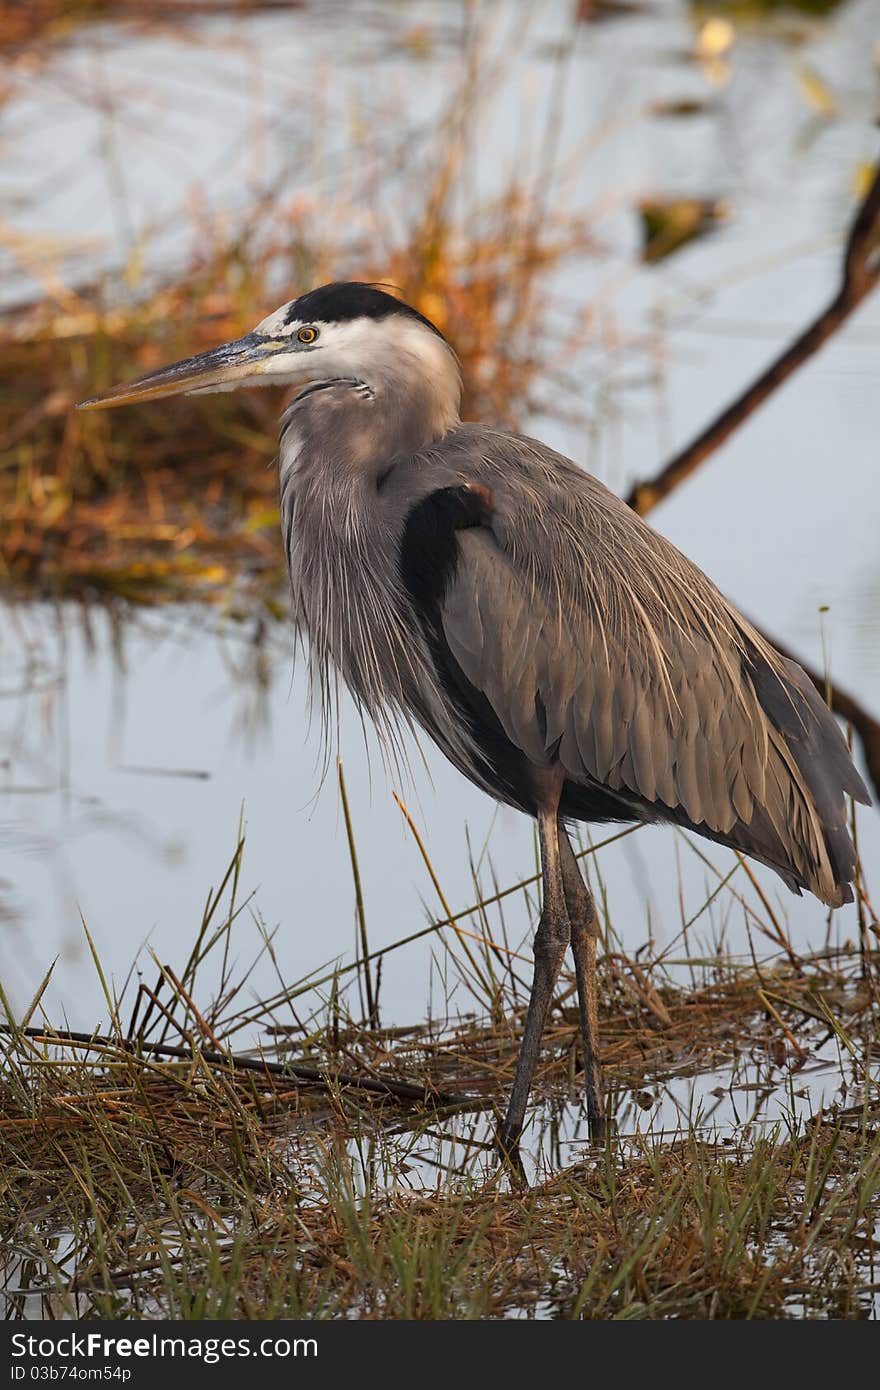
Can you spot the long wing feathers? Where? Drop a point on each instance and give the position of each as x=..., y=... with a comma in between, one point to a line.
x=596, y=642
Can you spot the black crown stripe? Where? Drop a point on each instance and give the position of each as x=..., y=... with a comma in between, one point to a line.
x=344, y=300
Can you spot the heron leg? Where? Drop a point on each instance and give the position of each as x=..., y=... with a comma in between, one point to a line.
x=551, y=942
x=584, y=933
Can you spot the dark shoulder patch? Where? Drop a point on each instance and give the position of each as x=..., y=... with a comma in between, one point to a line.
x=428, y=549
x=351, y=299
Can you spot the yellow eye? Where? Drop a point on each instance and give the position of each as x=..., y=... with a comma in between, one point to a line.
x=307, y=335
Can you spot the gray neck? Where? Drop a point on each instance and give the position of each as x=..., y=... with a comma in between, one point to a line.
x=341, y=531
x=394, y=397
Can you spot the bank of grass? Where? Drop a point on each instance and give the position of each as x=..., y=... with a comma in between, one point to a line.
x=179, y=501
x=210, y=1157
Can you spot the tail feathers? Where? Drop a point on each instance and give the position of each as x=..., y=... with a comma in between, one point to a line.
x=798, y=866
x=802, y=831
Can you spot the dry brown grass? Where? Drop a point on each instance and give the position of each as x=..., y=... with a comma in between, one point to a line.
x=156, y=1186
x=181, y=501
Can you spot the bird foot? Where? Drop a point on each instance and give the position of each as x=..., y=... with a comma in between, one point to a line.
x=507, y=1146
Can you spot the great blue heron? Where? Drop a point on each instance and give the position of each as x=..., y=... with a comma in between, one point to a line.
x=563, y=655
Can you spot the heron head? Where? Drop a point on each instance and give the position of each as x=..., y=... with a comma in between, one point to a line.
x=342, y=330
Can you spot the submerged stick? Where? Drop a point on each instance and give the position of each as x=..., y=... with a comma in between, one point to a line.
x=404, y=1090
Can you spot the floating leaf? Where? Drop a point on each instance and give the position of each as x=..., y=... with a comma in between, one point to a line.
x=680, y=107
x=595, y=11
x=752, y=10
x=669, y=223
x=816, y=93
x=714, y=39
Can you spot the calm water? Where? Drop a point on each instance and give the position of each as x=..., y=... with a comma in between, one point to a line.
x=126, y=759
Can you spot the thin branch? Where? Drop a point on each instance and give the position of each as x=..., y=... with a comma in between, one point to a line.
x=372, y=1003
x=861, y=274
x=290, y=1071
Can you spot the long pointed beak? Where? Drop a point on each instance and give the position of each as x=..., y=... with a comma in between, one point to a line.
x=219, y=369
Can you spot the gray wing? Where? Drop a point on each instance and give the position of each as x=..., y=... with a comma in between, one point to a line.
x=598, y=645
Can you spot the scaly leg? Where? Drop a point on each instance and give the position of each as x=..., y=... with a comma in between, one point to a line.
x=551, y=942
x=584, y=932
